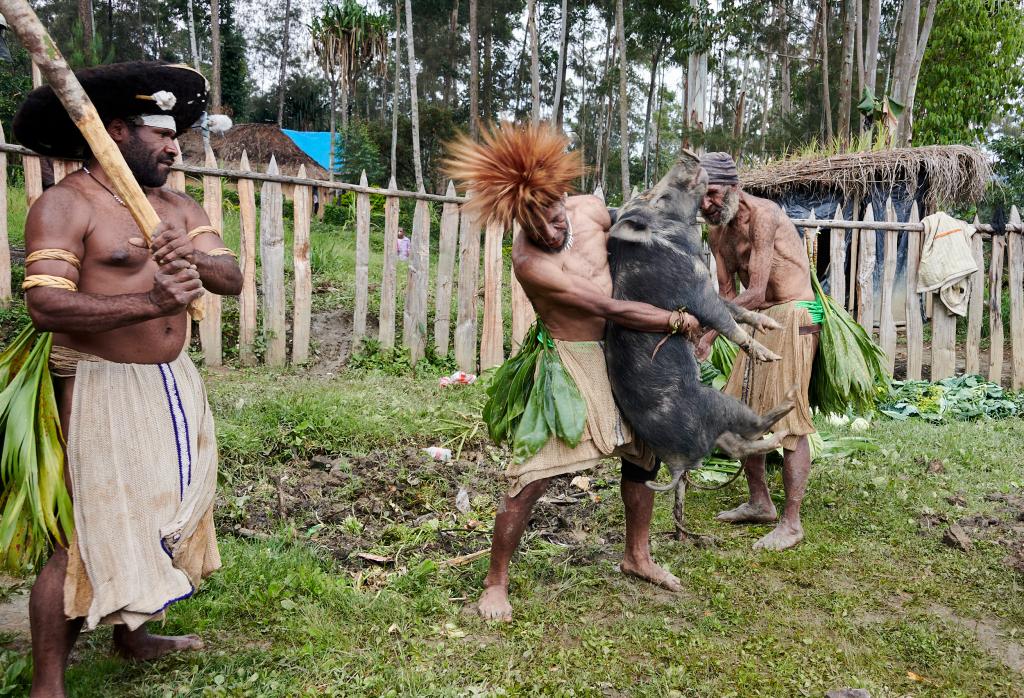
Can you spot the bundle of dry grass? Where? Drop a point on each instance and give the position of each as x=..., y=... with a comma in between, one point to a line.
x=259, y=141
x=953, y=174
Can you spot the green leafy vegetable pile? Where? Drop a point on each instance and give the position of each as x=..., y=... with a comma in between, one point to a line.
x=960, y=399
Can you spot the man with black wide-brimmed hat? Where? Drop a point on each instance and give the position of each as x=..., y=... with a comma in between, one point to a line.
x=141, y=454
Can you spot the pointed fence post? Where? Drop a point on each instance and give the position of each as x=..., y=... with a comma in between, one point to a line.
x=995, y=309
x=1016, y=281
x=210, y=325
x=469, y=281
x=5, y=249
x=247, y=260
x=272, y=264
x=60, y=170
x=915, y=325
x=975, y=306
x=362, y=264
x=837, y=260
x=386, y=333
x=492, y=350
x=599, y=192
x=302, y=209
x=33, y=178
x=414, y=325
x=886, y=322
x=522, y=310
x=175, y=180
x=445, y=272
x=866, y=275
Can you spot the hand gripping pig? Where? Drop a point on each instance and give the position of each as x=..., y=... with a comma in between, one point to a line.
x=656, y=257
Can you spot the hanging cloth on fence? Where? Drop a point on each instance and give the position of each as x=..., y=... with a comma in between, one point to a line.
x=947, y=261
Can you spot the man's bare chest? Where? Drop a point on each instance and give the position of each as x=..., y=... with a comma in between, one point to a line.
x=115, y=242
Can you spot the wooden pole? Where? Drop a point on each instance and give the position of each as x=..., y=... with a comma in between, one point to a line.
x=915, y=326
x=210, y=325
x=975, y=307
x=469, y=280
x=302, y=210
x=362, y=265
x=492, y=350
x=866, y=276
x=522, y=309
x=886, y=323
x=414, y=324
x=1016, y=272
x=837, y=261
x=5, y=250
x=995, y=310
x=175, y=180
x=445, y=273
x=386, y=333
x=247, y=301
x=45, y=54
x=272, y=258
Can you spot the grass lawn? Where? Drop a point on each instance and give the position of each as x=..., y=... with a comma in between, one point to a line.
x=872, y=599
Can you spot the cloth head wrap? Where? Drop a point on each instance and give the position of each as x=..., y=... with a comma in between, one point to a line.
x=720, y=168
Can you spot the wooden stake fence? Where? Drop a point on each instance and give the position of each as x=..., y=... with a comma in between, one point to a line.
x=459, y=271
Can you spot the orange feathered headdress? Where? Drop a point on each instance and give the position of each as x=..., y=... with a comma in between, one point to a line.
x=515, y=173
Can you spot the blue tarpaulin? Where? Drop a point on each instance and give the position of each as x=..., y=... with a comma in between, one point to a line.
x=315, y=144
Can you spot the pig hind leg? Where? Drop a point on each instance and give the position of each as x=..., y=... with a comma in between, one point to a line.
x=677, y=465
x=740, y=448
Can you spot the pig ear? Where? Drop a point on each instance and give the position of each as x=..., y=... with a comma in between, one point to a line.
x=632, y=226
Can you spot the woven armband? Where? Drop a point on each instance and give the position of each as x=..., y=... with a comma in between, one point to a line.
x=220, y=252
x=54, y=254
x=200, y=230
x=48, y=281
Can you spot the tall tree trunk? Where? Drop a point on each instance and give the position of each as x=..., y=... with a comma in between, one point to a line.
x=449, y=78
x=600, y=118
x=904, y=130
x=874, y=22
x=764, y=103
x=345, y=93
x=656, y=168
x=785, y=79
x=531, y=27
x=488, y=111
x=284, y=63
x=846, y=75
x=655, y=57
x=607, y=138
x=620, y=28
x=474, y=73
x=696, y=87
x=192, y=36
x=215, y=50
x=333, y=127
x=858, y=42
x=88, y=29
x=582, y=114
x=826, y=93
x=560, y=78
x=413, y=98
x=395, y=93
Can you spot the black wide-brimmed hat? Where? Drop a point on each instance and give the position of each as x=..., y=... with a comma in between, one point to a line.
x=120, y=90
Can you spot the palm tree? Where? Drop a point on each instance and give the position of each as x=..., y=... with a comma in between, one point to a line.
x=348, y=39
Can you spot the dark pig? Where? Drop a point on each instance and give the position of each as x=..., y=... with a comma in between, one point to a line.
x=657, y=257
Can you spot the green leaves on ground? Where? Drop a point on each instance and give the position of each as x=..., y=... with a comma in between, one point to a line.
x=35, y=508
x=962, y=398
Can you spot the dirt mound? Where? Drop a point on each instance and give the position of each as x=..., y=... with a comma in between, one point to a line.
x=1004, y=526
x=386, y=509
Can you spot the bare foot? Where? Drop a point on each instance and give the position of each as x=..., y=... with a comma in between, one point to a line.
x=782, y=538
x=650, y=571
x=493, y=604
x=749, y=513
x=141, y=646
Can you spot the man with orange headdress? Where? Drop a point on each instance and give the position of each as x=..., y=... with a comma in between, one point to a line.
x=561, y=259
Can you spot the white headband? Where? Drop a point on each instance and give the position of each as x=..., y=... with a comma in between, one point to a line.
x=158, y=121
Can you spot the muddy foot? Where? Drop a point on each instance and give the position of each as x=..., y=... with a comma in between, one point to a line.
x=494, y=606
x=782, y=538
x=748, y=513
x=141, y=646
x=652, y=572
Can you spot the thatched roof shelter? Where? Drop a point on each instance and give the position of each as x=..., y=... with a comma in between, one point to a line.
x=259, y=141
x=953, y=174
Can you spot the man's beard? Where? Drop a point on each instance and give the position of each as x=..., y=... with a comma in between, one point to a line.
x=145, y=164
x=724, y=214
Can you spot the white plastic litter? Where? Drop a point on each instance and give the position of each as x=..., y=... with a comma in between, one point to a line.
x=457, y=378
x=462, y=501
x=438, y=453
x=860, y=424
